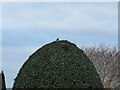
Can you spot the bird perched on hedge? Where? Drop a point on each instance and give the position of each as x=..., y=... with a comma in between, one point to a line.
x=57, y=39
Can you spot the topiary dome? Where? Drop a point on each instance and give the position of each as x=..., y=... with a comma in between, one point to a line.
x=60, y=64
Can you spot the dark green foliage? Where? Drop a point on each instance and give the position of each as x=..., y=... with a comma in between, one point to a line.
x=2, y=81
x=59, y=64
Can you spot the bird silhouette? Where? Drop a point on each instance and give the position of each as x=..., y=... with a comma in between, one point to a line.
x=57, y=39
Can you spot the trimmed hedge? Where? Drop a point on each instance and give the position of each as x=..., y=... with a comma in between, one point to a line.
x=2, y=81
x=60, y=64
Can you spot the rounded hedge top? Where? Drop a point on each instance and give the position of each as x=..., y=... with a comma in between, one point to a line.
x=60, y=64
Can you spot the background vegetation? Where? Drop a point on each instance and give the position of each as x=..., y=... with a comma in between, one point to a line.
x=105, y=59
x=2, y=81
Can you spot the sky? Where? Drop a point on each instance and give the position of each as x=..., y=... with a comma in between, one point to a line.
x=0, y=36
x=29, y=26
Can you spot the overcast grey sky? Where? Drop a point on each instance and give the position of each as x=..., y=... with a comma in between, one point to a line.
x=0, y=36
x=28, y=26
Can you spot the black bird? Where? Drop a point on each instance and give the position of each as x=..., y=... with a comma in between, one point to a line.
x=57, y=39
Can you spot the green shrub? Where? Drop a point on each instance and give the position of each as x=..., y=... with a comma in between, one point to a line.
x=2, y=81
x=58, y=64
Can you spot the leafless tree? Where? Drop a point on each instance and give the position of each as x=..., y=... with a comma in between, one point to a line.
x=105, y=59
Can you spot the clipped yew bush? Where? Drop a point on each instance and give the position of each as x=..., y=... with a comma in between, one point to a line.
x=2, y=81
x=60, y=64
